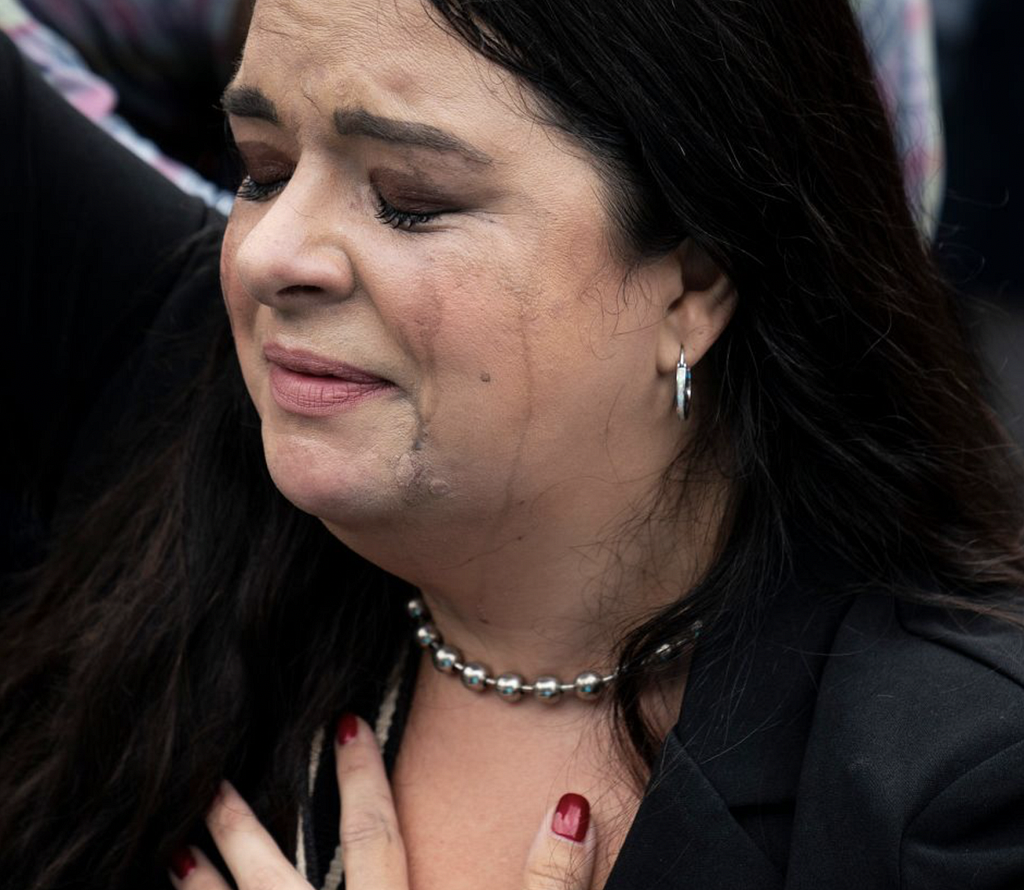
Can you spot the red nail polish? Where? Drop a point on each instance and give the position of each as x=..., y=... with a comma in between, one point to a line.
x=572, y=817
x=347, y=728
x=182, y=863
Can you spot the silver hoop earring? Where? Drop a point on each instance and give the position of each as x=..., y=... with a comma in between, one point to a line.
x=684, y=387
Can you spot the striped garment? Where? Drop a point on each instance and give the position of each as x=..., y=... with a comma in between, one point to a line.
x=67, y=72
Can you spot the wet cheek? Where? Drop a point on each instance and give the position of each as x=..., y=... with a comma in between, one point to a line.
x=454, y=329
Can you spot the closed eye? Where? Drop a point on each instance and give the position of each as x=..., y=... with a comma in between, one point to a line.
x=251, y=190
x=254, y=190
x=397, y=218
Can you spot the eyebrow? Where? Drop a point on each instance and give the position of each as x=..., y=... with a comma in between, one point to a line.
x=251, y=102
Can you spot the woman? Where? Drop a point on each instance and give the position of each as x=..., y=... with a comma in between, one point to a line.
x=479, y=250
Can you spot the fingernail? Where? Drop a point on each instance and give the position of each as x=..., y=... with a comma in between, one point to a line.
x=347, y=728
x=572, y=817
x=182, y=863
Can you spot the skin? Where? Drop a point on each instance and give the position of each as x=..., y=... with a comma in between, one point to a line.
x=531, y=415
x=369, y=836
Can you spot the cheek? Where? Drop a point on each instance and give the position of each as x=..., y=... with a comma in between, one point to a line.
x=241, y=308
x=239, y=303
x=469, y=328
x=536, y=354
x=493, y=345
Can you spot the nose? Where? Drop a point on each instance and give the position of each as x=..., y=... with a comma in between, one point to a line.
x=296, y=251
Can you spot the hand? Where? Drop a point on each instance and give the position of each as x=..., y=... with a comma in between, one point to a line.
x=371, y=842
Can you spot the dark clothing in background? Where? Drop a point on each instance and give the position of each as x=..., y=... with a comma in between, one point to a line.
x=90, y=248
x=981, y=239
x=849, y=743
x=982, y=236
x=169, y=61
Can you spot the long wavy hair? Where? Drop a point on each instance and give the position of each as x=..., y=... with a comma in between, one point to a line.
x=191, y=624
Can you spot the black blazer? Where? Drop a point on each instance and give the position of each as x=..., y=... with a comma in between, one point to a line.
x=855, y=744
x=848, y=744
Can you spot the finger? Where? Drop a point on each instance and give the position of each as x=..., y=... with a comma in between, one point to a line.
x=371, y=845
x=249, y=851
x=191, y=870
x=562, y=855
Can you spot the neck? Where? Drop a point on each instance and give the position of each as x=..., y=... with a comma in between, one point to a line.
x=550, y=600
x=548, y=581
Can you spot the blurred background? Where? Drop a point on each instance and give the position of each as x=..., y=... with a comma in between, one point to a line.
x=151, y=73
x=981, y=235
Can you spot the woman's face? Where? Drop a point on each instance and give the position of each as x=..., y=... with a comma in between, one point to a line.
x=408, y=218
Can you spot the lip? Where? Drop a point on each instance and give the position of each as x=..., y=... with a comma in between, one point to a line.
x=303, y=362
x=304, y=383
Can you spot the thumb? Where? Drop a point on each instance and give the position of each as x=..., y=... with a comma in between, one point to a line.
x=562, y=855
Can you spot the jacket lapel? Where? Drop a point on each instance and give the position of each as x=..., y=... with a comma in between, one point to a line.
x=684, y=836
x=735, y=754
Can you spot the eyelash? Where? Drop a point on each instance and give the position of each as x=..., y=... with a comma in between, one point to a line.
x=387, y=213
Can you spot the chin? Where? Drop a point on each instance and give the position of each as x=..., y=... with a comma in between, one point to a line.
x=339, y=486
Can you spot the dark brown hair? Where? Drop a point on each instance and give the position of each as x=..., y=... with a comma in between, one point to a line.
x=192, y=624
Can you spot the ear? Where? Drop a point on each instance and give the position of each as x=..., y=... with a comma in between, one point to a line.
x=699, y=300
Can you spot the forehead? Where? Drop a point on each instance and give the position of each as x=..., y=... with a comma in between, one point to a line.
x=389, y=56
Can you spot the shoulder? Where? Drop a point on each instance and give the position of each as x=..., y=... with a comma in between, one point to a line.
x=914, y=767
x=902, y=675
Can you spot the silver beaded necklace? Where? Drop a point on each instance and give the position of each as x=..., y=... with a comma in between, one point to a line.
x=511, y=687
